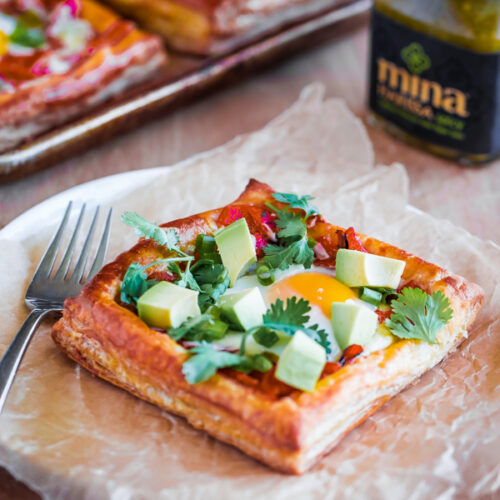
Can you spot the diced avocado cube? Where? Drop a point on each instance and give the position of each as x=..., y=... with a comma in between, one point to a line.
x=355, y=268
x=301, y=362
x=243, y=309
x=353, y=324
x=166, y=305
x=236, y=248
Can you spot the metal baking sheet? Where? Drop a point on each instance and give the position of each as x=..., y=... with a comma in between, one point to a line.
x=186, y=79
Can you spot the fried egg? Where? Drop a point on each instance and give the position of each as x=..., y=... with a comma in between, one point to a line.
x=316, y=285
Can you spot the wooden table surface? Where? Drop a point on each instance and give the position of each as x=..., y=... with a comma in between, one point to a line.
x=469, y=197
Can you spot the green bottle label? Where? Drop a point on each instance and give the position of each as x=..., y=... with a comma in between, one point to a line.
x=434, y=90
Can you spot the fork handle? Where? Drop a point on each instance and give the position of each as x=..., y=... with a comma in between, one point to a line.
x=15, y=352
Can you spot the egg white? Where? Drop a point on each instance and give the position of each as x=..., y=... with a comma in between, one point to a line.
x=381, y=339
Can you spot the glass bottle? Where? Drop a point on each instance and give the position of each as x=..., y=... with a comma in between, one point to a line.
x=435, y=75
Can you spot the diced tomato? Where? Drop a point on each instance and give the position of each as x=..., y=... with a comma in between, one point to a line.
x=353, y=241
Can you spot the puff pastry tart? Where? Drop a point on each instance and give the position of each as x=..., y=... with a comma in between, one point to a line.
x=215, y=26
x=264, y=325
x=60, y=58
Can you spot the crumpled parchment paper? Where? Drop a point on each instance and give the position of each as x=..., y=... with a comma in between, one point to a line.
x=70, y=435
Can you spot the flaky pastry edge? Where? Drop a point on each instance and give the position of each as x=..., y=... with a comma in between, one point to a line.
x=289, y=434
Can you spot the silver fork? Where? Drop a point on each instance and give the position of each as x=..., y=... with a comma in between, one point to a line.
x=46, y=294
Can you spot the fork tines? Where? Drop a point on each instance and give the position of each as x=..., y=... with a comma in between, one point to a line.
x=64, y=271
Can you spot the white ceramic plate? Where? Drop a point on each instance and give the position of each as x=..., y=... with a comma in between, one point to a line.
x=98, y=191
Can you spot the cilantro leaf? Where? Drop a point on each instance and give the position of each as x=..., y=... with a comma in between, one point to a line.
x=190, y=324
x=213, y=280
x=320, y=336
x=282, y=257
x=278, y=257
x=288, y=319
x=302, y=252
x=186, y=278
x=135, y=283
x=26, y=36
x=206, y=276
x=267, y=337
x=294, y=244
x=206, y=327
x=292, y=318
x=206, y=360
x=294, y=201
x=207, y=271
x=291, y=225
x=295, y=312
x=418, y=315
x=167, y=237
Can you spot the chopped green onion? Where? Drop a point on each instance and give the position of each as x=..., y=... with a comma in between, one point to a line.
x=311, y=242
x=388, y=294
x=369, y=295
x=266, y=337
x=261, y=363
x=206, y=248
x=216, y=329
x=382, y=289
x=205, y=244
x=265, y=275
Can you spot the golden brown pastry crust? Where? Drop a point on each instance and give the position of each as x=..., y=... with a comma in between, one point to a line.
x=289, y=433
x=116, y=57
x=215, y=27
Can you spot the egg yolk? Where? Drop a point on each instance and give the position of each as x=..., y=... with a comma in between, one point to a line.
x=4, y=43
x=318, y=288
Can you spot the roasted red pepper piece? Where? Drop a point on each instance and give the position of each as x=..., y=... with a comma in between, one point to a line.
x=241, y=377
x=353, y=242
x=264, y=382
x=161, y=276
x=330, y=368
x=350, y=353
